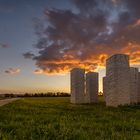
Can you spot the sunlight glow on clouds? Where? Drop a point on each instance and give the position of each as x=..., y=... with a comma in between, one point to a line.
x=87, y=38
x=38, y=71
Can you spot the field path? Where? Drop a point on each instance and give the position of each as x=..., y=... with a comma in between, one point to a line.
x=6, y=101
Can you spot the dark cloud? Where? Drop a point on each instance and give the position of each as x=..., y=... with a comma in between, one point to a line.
x=12, y=71
x=134, y=6
x=86, y=7
x=3, y=45
x=28, y=55
x=87, y=37
x=38, y=71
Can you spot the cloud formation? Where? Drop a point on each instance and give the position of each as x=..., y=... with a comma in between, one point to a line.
x=12, y=71
x=38, y=71
x=28, y=55
x=87, y=37
x=4, y=45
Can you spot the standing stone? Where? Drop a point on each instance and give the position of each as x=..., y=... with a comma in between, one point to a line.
x=92, y=87
x=139, y=87
x=117, y=89
x=134, y=85
x=105, y=87
x=77, y=86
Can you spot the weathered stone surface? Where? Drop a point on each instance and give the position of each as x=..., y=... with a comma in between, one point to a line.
x=84, y=91
x=134, y=75
x=105, y=87
x=77, y=86
x=117, y=80
x=92, y=87
x=139, y=87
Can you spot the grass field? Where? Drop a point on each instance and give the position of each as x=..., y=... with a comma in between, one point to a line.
x=54, y=118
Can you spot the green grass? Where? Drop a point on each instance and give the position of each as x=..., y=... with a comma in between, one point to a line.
x=54, y=118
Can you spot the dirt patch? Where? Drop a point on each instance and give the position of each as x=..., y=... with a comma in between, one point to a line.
x=6, y=101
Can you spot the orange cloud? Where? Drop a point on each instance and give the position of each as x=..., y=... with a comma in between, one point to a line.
x=137, y=23
x=38, y=71
x=133, y=50
x=87, y=38
x=65, y=65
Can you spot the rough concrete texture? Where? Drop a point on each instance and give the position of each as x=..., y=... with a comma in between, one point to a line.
x=92, y=87
x=105, y=88
x=84, y=88
x=117, y=81
x=134, y=76
x=77, y=86
x=139, y=87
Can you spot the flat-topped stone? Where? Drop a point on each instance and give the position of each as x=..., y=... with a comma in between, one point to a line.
x=134, y=77
x=92, y=87
x=84, y=87
x=117, y=81
x=77, y=85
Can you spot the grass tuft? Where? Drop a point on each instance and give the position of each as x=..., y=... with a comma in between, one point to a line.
x=55, y=118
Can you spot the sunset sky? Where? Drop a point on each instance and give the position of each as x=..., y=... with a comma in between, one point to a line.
x=42, y=40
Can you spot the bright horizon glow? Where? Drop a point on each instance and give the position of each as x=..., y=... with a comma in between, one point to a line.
x=61, y=84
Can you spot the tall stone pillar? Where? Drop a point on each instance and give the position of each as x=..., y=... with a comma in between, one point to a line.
x=117, y=81
x=139, y=87
x=77, y=86
x=105, y=87
x=92, y=87
x=134, y=76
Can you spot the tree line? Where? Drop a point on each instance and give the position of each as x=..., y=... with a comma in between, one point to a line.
x=48, y=94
